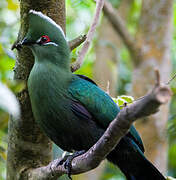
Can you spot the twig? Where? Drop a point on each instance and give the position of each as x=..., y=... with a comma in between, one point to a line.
x=82, y=53
x=157, y=82
x=148, y=105
x=174, y=76
x=157, y=77
x=108, y=88
x=77, y=41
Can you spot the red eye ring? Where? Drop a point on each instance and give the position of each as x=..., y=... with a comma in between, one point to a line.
x=44, y=39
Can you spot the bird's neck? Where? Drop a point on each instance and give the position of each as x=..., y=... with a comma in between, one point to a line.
x=51, y=73
x=60, y=59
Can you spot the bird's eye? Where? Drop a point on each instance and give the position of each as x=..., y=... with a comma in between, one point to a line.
x=44, y=39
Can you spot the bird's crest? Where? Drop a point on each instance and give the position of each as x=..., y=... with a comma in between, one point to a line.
x=40, y=25
x=40, y=14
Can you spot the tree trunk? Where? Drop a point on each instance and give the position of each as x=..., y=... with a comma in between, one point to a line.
x=28, y=147
x=153, y=38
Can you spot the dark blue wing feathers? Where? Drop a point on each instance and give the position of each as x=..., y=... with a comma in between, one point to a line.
x=80, y=111
x=93, y=103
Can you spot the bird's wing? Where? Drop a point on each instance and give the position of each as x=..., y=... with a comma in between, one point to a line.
x=96, y=101
x=86, y=78
x=80, y=110
x=93, y=103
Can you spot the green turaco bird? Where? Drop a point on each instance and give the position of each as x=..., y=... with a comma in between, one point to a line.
x=71, y=109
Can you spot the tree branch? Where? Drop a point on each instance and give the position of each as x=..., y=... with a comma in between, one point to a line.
x=145, y=106
x=119, y=26
x=82, y=53
x=77, y=41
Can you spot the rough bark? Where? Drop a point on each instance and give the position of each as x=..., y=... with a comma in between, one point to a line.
x=153, y=38
x=28, y=147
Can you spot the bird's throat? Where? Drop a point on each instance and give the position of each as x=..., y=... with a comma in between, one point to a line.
x=48, y=78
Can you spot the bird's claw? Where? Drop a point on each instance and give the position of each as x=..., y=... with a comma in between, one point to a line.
x=67, y=160
x=61, y=160
x=68, y=166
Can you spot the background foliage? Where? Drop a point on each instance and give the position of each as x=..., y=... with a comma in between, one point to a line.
x=79, y=15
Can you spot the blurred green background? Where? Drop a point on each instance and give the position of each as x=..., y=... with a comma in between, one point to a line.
x=79, y=16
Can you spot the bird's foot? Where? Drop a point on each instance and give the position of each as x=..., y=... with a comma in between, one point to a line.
x=67, y=160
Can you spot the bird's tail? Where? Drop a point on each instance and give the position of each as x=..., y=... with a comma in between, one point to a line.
x=132, y=162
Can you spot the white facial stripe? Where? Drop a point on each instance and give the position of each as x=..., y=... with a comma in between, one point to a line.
x=38, y=40
x=50, y=43
x=48, y=19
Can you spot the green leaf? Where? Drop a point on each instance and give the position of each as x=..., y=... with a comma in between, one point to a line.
x=122, y=100
x=128, y=99
x=12, y=5
x=8, y=101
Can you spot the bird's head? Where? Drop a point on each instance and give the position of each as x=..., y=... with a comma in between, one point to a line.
x=45, y=38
